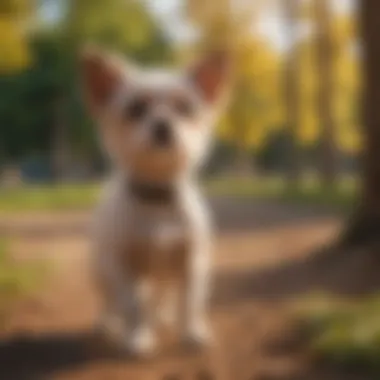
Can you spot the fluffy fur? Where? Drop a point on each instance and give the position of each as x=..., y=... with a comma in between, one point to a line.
x=153, y=258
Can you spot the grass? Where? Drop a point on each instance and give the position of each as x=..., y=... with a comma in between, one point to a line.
x=48, y=197
x=341, y=196
x=74, y=197
x=345, y=334
x=17, y=280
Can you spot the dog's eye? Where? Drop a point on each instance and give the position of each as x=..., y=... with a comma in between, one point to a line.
x=184, y=107
x=136, y=110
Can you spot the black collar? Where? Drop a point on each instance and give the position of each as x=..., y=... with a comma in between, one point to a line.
x=152, y=193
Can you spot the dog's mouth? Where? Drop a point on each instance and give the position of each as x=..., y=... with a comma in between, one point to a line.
x=159, y=163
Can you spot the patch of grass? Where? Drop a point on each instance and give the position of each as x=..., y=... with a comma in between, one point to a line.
x=270, y=187
x=74, y=197
x=310, y=191
x=344, y=334
x=17, y=280
x=59, y=197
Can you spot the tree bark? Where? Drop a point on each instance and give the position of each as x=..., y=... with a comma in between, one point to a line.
x=291, y=88
x=364, y=227
x=60, y=145
x=328, y=151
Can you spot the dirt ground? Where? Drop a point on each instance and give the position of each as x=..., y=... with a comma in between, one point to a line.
x=265, y=258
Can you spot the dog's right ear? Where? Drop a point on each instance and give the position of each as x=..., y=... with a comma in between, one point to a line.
x=102, y=74
x=212, y=74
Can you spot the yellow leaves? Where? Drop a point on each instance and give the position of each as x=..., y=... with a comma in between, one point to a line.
x=309, y=131
x=256, y=106
x=343, y=30
x=350, y=140
x=14, y=51
x=258, y=103
x=255, y=60
x=10, y=8
x=345, y=86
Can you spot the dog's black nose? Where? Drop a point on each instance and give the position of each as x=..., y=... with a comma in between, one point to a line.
x=162, y=133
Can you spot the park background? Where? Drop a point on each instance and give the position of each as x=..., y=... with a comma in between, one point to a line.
x=293, y=181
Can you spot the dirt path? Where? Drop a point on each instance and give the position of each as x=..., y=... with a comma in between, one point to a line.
x=264, y=259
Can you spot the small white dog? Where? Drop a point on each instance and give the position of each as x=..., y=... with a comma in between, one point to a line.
x=152, y=232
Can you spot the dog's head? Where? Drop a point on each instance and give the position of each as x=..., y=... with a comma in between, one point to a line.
x=153, y=123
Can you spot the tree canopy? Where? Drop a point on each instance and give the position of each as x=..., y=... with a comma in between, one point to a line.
x=38, y=67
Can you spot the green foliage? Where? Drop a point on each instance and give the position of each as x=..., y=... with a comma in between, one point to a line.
x=46, y=91
x=346, y=334
x=13, y=7
x=27, y=101
x=38, y=69
x=124, y=25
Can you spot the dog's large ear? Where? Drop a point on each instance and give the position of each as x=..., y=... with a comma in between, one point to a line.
x=102, y=74
x=211, y=75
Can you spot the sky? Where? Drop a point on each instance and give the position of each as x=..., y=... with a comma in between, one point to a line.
x=270, y=24
x=170, y=14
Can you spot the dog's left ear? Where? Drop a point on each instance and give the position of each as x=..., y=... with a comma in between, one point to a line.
x=211, y=75
x=102, y=74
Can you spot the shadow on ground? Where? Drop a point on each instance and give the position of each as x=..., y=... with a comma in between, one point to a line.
x=42, y=356
x=334, y=271
x=349, y=273
x=32, y=357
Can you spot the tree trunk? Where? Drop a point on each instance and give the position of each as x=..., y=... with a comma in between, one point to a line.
x=291, y=88
x=364, y=227
x=60, y=146
x=328, y=151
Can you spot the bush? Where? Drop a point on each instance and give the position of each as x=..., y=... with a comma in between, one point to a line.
x=346, y=335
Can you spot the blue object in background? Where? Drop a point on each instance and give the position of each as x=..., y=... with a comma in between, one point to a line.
x=36, y=169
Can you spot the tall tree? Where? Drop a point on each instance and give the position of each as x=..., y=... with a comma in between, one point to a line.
x=46, y=90
x=365, y=225
x=254, y=108
x=292, y=87
x=346, y=84
x=328, y=144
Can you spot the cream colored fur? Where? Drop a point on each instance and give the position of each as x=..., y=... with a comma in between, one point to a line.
x=152, y=261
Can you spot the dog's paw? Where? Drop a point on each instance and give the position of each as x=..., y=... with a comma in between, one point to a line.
x=198, y=337
x=110, y=327
x=142, y=342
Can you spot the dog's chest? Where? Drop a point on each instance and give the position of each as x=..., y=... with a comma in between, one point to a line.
x=157, y=242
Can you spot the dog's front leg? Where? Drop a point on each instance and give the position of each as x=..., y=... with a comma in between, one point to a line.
x=194, y=328
x=110, y=284
x=141, y=338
